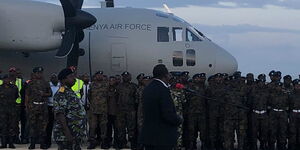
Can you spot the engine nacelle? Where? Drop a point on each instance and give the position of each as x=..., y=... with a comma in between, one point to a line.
x=30, y=26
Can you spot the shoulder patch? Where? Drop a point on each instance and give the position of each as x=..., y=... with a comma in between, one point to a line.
x=62, y=89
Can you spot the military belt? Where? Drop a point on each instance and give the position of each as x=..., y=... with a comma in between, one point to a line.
x=296, y=110
x=259, y=111
x=38, y=103
x=278, y=110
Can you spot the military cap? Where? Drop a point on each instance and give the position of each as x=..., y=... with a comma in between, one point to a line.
x=64, y=73
x=261, y=76
x=199, y=75
x=185, y=73
x=278, y=73
x=237, y=74
x=175, y=73
x=287, y=77
x=147, y=77
x=249, y=75
x=140, y=75
x=37, y=69
x=125, y=73
x=296, y=81
x=272, y=73
x=99, y=72
x=12, y=69
x=225, y=75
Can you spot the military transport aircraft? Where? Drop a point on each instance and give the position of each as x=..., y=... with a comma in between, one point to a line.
x=111, y=39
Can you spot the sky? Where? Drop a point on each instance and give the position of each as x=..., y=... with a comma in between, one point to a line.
x=263, y=35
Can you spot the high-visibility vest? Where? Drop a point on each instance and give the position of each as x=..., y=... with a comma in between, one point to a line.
x=1, y=82
x=19, y=85
x=77, y=87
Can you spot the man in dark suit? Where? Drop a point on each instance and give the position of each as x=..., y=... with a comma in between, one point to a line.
x=159, y=130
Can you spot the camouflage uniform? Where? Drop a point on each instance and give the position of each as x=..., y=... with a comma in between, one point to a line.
x=259, y=118
x=278, y=116
x=215, y=93
x=235, y=117
x=196, y=109
x=126, y=116
x=67, y=103
x=139, y=94
x=8, y=115
x=179, y=99
x=37, y=107
x=294, y=124
x=98, y=109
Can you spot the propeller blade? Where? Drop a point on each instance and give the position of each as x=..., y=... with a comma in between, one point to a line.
x=77, y=3
x=68, y=7
x=67, y=43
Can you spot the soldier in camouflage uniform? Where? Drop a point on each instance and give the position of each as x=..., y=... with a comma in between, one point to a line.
x=248, y=87
x=98, y=110
x=69, y=123
x=294, y=124
x=235, y=116
x=258, y=99
x=196, y=109
x=37, y=93
x=179, y=99
x=278, y=116
x=126, y=116
x=215, y=94
x=8, y=116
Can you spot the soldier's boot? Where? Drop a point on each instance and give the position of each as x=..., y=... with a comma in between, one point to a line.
x=44, y=144
x=3, y=142
x=77, y=146
x=104, y=145
x=11, y=143
x=133, y=145
x=92, y=145
x=32, y=143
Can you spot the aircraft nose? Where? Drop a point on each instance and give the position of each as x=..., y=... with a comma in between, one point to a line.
x=225, y=62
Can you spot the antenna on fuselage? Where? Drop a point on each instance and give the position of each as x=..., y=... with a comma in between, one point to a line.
x=167, y=9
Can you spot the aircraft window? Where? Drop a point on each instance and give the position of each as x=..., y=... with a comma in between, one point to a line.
x=190, y=36
x=177, y=34
x=162, y=34
x=177, y=58
x=190, y=57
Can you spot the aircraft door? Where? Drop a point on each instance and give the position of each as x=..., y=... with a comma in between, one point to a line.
x=118, y=57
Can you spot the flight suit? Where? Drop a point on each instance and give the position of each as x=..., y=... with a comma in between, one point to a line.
x=278, y=117
x=196, y=114
x=259, y=97
x=235, y=116
x=98, y=109
x=126, y=116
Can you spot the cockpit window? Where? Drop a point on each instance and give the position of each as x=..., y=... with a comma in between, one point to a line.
x=190, y=36
x=162, y=34
x=177, y=34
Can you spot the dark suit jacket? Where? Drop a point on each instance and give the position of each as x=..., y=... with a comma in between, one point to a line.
x=160, y=118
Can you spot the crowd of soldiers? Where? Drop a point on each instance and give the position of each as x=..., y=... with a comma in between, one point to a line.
x=224, y=112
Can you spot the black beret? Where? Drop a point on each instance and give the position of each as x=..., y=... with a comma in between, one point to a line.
x=125, y=73
x=272, y=73
x=99, y=72
x=185, y=73
x=296, y=81
x=200, y=75
x=219, y=75
x=140, y=75
x=287, y=77
x=225, y=74
x=250, y=75
x=261, y=76
x=37, y=69
x=64, y=73
x=237, y=74
x=277, y=73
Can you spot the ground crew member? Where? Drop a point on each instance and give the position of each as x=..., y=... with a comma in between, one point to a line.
x=78, y=86
x=258, y=99
x=197, y=111
x=69, y=114
x=126, y=116
x=294, y=120
x=98, y=110
x=37, y=93
x=8, y=115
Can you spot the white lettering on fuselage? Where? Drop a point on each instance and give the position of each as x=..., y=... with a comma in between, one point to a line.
x=130, y=27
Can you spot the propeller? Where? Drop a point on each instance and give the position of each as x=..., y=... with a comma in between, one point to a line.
x=76, y=20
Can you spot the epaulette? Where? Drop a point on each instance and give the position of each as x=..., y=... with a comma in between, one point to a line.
x=61, y=89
